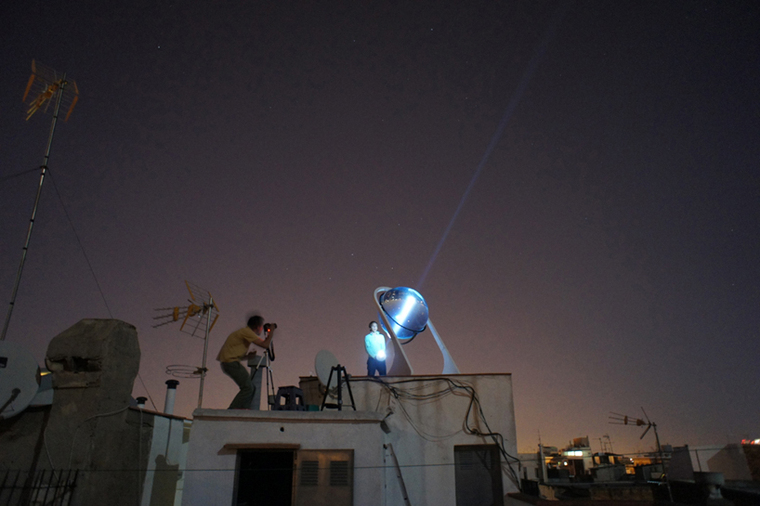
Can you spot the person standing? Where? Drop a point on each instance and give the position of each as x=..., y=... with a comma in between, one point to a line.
x=235, y=349
x=374, y=343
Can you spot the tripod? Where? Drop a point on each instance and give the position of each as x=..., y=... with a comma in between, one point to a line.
x=257, y=364
x=342, y=377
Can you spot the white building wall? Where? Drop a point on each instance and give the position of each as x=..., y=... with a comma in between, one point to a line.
x=727, y=459
x=217, y=434
x=530, y=466
x=168, y=451
x=423, y=434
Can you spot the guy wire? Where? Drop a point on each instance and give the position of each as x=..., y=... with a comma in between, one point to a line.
x=92, y=271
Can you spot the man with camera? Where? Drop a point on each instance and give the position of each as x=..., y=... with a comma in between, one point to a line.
x=235, y=349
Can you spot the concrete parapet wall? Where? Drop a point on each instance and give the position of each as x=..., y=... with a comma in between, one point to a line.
x=89, y=426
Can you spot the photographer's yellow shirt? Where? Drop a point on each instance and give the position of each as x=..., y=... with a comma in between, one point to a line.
x=236, y=345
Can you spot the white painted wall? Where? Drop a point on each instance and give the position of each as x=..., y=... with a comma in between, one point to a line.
x=530, y=465
x=422, y=433
x=727, y=459
x=169, y=447
x=210, y=474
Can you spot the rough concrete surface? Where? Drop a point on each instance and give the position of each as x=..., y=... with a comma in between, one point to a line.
x=88, y=427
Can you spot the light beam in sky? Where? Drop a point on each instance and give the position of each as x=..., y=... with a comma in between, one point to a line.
x=516, y=96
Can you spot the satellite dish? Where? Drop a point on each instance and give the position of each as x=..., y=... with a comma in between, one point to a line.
x=324, y=364
x=19, y=379
x=44, y=396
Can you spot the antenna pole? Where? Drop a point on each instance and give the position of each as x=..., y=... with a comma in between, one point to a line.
x=208, y=308
x=201, y=306
x=36, y=204
x=662, y=461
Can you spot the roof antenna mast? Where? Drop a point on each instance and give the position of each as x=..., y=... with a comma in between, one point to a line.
x=199, y=311
x=45, y=86
x=619, y=419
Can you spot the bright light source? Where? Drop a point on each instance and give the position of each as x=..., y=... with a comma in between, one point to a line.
x=380, y=355
x=406, y=310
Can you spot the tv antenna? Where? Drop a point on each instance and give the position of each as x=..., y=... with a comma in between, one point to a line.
x=45, y=87
x=619, y=419
x=198, y=318
x=606, y=445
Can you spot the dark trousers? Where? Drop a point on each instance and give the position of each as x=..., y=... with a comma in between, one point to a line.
x=242, y=379
x=373, y=365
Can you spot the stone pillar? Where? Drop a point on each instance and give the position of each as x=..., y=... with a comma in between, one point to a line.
x=94, y=364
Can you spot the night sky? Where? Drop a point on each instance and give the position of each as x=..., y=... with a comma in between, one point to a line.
x=291, y=157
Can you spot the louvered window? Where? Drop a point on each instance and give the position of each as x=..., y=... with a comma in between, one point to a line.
x=324, y=477
x=339, y=473
x=309, y=473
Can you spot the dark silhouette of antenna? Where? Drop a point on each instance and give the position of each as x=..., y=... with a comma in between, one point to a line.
x=45, y=86
x=606, y=445
x=201, y=313
x=629, y=420
x=619, y=419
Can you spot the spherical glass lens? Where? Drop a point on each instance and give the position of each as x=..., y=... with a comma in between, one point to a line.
x=407, y=311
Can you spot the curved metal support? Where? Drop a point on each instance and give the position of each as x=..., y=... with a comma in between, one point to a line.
x=449, y=366
x=401, y=365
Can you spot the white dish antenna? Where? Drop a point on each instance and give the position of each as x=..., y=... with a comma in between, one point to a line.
x=44, y=396
x=19, y=379
x=324, y=364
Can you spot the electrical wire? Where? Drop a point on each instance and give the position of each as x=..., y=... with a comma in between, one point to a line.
x=92, y=271
x=79, y=241
x=6, y=178
x=147, y=391
x=453, y=387
x=100, y=415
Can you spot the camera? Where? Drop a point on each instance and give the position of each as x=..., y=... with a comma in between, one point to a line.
x=270, y=326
